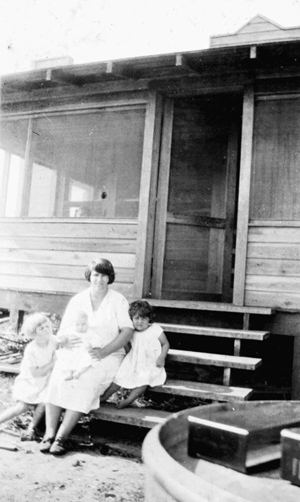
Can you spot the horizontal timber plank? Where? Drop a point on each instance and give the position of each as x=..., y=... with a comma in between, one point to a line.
x=76, y=258
x=271, y=267
x=216, y=332
x=104, y=245
x=206, y=358
x=19, y=294
x=69, y=229
x=141, y=417
x=274, y=235
x=273, y=284
x=10, y=368
x=276, y=251
x=53, y=271
x=210, y=306
x=280, y=299
x=203, y=390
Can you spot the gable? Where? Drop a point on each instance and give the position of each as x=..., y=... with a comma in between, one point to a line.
x=258, y=30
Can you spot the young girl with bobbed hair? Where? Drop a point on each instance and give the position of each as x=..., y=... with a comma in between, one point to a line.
x=144, y=365
x=37, y=363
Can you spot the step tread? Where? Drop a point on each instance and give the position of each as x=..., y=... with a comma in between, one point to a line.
x=10, y=368
x=210, y=306
x=141, y=417
x=217, y=332
x=205, y=358
x=203, y=390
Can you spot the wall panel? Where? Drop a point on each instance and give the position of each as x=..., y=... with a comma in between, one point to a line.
x=273, y=266
x=40, y=256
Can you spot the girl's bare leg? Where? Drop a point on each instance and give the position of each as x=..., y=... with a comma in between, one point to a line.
x=14, y=411
x=38, y=414
x=109, y=392
x=134, y=394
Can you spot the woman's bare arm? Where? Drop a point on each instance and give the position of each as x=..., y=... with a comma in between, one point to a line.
x=120, y=341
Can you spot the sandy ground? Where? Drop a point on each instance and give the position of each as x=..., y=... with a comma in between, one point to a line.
x=84, y=473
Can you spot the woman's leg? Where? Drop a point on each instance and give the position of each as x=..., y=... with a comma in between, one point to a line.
x=53, y=414
x=69, y=421
x=14, y=411
x=134, y=394
x=109, y=392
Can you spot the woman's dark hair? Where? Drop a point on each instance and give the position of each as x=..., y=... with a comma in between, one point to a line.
x=102, y=266
x=141, y=308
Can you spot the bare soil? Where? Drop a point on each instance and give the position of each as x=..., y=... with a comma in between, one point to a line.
x=103, y=462
x=28, y=475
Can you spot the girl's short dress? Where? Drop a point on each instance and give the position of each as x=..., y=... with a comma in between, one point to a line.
x=139, y=366
x=27, y=388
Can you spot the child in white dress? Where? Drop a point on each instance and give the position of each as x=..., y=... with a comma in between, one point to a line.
x=143, y=366
x=37, y=363
x=75, y=361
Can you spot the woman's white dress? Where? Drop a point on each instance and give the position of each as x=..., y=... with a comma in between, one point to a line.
x=28, y=388
x=139, y=366
x=83, y=394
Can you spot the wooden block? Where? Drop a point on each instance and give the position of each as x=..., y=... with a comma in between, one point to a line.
x=241, y=437
x=290, y=460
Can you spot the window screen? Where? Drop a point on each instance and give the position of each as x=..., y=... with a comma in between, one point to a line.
x=76, y=165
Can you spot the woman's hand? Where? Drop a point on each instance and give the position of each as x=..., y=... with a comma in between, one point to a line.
x=95, y=352
x=73, y=342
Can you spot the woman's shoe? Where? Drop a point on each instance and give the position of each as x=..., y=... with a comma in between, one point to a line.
x=46, y=444
x=58, y=447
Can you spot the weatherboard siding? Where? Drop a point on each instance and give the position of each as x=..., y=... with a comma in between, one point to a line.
x=39, y=256
x=273, y=266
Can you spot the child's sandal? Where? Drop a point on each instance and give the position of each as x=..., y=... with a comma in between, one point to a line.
x=29, y=435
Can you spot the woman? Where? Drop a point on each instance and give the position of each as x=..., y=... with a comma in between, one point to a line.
x=108, y=316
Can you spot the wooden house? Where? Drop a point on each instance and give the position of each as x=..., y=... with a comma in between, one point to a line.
x=182, y=169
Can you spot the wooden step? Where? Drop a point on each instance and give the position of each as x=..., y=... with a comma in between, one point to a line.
x=216, y=332
x=205, y=358
x=10, y=368
x=203, y=390
x=141, y=417
x=210, y=306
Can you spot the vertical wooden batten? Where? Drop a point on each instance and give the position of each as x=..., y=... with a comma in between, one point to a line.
x=162, y=200
x=244, y=196
x=296, y=369
x=231, y=181
x=27, y=171
x=148, y=190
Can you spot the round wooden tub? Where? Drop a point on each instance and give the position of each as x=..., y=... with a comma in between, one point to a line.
x=172, y=475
